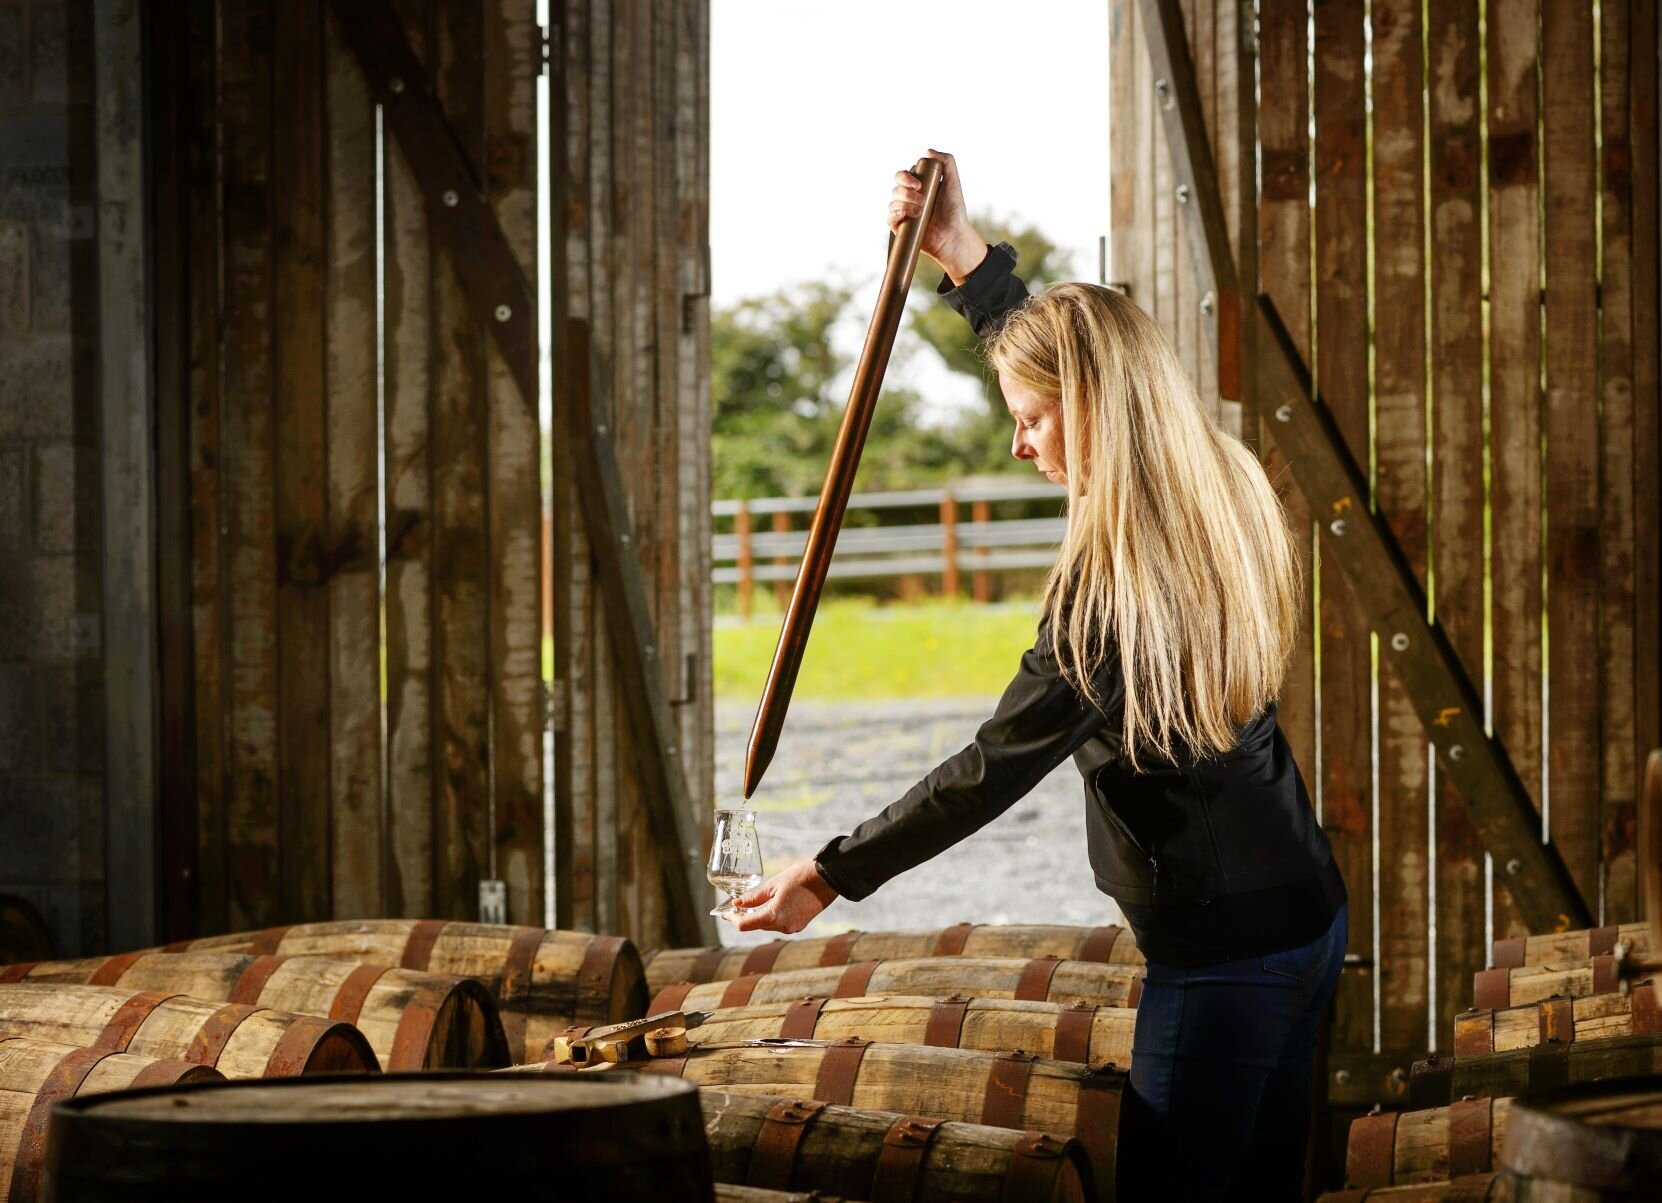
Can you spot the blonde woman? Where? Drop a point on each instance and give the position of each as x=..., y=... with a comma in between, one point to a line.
x=1165, y=633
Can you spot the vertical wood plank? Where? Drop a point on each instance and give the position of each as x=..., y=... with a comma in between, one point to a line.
x=1202, y=29
x=1128, y=223
x=1283, y=235
x=1234, y=143
x=352, y=552
x=411, y=785
x=1166, y=244
x=1620, y=768
x=1457, y=448
x=1647, y=340
x=1145, y=247
x=252, y=848
x=1399, y=413
x=1342, y=380
x=1182, y=295
x=512, y=55
x=460, y=423
x=1572, y=485
x=1515, y=401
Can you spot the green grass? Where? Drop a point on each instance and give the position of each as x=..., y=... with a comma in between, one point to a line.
x=861, y=651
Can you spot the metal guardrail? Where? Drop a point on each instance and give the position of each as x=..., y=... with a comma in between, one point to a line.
x=948, y=548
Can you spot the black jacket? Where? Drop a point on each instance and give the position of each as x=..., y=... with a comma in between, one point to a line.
x=1165, y=841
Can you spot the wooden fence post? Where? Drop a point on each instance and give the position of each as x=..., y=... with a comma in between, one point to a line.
x=781, y=588
x=949, y=545
x=981, y=511
x=741, y=528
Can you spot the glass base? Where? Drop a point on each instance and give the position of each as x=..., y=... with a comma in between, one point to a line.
x=725, y=908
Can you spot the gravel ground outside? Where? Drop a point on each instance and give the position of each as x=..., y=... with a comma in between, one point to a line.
x=841, y=762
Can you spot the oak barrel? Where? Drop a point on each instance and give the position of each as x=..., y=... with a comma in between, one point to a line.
x=1473, y=1188
x=1006, y=1090
x=624, y=1137
x=1586, y=1143
x=412, y=1020
x=884, y=1156
x=1110, y=944
x=23, y=933
x=1493, y=989
x=240, y=1041
x=1082, y=1032
x=1438, y=1081
x=1414, y=1147
x=1037, y=979
x=34, y=1074
x=544, y=980
x=727, y=1193
x=1568, y=946
x=1559, y=1020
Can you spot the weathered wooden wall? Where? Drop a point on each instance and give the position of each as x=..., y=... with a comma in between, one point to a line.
x=1461, y=236
x=631, y=112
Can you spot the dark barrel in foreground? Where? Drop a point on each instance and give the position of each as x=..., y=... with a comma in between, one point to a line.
x=1601, y=1141
x=625, y=1137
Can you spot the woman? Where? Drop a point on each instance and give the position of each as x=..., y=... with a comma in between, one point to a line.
x=1165, y=633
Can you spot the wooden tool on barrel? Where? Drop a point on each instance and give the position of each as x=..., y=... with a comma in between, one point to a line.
x=656, y=1035
x=839, y=481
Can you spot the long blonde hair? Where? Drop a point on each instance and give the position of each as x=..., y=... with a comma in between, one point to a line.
x=1177, y=554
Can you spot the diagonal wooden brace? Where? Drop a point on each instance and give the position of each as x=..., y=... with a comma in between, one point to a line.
x=460, y=217
x=1385, y=586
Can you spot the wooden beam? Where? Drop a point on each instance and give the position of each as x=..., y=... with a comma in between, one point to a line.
x=1442, y=692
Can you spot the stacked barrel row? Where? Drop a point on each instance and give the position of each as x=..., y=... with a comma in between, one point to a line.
x=403, y=995
x=1551, y=1012
x=968, y=1062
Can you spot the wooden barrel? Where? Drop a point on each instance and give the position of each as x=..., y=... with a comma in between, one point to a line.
x=1474, y=1188
x=1413, y=1147
x=628, y=1138
x=1082, y=1032
x=1558, y=1021
x=727, y=1193
x=1439, y=1081
x=1586, y=1143
x=23, y=933
x=412, y=1020
x=34, y=1074
x=1493, y=989
x=1005, y=1090
x=544, y=980
x=239, y=1040
x=884, y=1156
x=1556, y=948
x=1040, y=979
x=1110, y=945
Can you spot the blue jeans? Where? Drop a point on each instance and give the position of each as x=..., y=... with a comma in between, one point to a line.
x=1221, y=1075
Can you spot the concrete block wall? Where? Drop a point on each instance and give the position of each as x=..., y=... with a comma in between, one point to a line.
x=52, y=839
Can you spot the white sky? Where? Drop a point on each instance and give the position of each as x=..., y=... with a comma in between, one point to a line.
x=815, y=105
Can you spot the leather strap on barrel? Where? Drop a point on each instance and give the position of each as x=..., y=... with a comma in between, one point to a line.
x=1470, y=1136
x=109, y=973
x=413, y=1038
x=1508, y=954
x=519, y=965
x=62, y=1083
x=1556, y=1017
x=118, y=1032
x=838, y=949
x=1371, y=1153
x=761, y=958
x=900, y=1164
x=294, y=1049
x=773, y=1157
x=707, y=964
x=1431, y=1083
x=1031, y=1171
x=1474, y=1033
x=951, y=941
x=1604, y=973
x=1034, y=983
x=161, y=1073
x=250, y=983
x=15, y=973
x=740, y=989
x=1099, y=944
x=418, y=949
x=670, y=998
x=1134, y=994
x=1006, y=1096
x=946, y=1021
x=1647, y=1014
x=215, y=1033
x=855, y=979
x=801, y=1019
x=1601, y=941
x=838, y=1069
x=672, y=1067
x=594, y=977
x=1072, y=1041
x=349, y=1000
x=266, y=943
x=1492, y=989
x=1549, y=1067
x=1096, y=1121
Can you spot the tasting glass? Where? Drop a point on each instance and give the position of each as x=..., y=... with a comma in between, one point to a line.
x=735, y=863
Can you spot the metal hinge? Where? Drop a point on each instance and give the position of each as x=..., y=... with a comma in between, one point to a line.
x=546, y=39
x=689, y=300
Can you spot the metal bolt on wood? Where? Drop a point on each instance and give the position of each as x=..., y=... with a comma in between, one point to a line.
x=1162, y=90
x=1183, y=194
x=1399, y=641
x=450, y=199
x=1284, y=413
x=1337, y=526
x=503, y=313
x=1457, y=752
x=1514, y=867
x=1208, y=303
x=395, y=86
